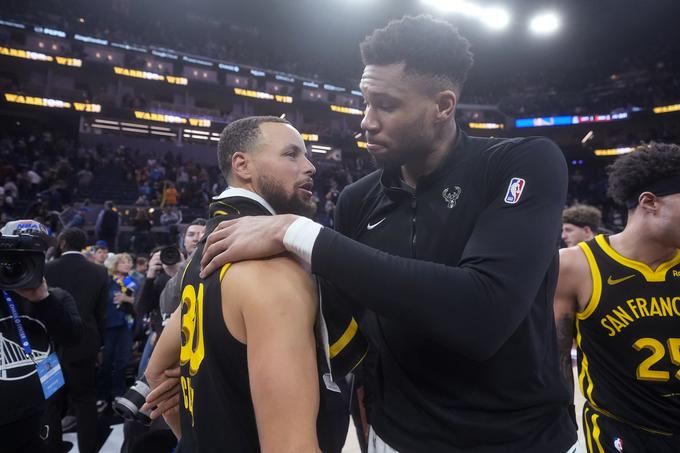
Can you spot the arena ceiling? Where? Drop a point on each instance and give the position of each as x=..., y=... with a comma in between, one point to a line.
x=330, y=30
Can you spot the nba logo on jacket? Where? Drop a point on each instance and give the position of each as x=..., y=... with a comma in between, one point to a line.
x=515, y=189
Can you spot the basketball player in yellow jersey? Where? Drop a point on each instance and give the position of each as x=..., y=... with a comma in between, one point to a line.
x=249, y=379
x=619, y=297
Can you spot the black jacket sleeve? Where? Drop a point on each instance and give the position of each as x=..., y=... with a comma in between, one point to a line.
x=59, y=313
x=150, y=297
x=476, y=306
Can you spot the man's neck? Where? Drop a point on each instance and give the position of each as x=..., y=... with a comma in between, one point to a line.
x=253, y=194
x=636, y=243
x=440, y=148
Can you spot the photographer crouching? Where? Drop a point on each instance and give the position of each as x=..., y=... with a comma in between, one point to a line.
x=33, y=318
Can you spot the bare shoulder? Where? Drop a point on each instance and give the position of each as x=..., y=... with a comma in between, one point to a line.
x=279, y=269
x=573, y=261
x=575, y=283
x=280, y=278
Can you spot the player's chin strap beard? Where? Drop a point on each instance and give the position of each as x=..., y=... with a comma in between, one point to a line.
x=660, y=188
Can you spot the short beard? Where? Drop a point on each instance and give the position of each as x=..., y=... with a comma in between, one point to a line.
x=272, y=191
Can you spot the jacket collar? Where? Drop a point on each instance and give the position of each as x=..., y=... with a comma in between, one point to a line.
x=231, y=192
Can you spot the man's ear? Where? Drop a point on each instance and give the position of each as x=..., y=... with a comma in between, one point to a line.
x=446, y=105
x=241, y=165
x=649, y=202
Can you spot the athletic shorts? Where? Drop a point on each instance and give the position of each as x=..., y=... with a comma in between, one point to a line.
x=604, y=434
x=377, y=445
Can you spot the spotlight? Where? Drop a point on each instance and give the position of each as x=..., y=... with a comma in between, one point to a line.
x=544, y=23
x=495, y=18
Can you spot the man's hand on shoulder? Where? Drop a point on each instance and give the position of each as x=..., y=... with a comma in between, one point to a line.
x=242, y=239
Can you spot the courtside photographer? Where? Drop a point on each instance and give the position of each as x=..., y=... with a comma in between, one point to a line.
x=34, y=319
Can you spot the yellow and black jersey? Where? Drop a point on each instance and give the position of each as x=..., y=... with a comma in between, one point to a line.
x=628, y=339
x=216, y=407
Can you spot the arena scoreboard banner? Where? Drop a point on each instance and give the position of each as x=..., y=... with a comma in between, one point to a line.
x=83, y=107
x=173, y=80
x=613, y=151
x=37, y=56
x=263, y=95
x=347, y=110
x=310, y=137
x=486, y=125
x=667, y=108
x=52, y=103
x=172, y=119
x=568, y=120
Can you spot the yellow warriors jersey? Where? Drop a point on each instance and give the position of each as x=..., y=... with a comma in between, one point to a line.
x=628, y=339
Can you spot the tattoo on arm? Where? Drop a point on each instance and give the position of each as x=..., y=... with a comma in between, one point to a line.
x=565, y=340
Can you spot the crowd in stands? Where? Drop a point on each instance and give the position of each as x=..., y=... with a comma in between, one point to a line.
x=591, y=85
x=55, y=180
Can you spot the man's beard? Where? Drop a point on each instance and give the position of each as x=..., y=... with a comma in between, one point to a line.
x=272, y=191
x=411, y=147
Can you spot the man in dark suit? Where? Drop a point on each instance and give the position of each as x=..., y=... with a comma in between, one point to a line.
x=88, y=283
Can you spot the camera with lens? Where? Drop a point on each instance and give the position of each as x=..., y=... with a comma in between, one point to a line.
x=22, y=261
x=170, y=255
x=129, y=405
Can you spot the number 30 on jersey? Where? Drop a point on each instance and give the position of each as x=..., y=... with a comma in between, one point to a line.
x=193, y=349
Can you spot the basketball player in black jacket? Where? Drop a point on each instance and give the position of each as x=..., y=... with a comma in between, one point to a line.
x=452, y=250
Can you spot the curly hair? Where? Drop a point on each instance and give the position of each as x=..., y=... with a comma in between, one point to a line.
x=583, y=215
x=632, y=173
x=425, y=45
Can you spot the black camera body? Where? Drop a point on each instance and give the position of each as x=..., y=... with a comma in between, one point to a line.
x=22, y=261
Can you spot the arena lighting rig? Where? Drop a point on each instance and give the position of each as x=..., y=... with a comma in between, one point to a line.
x=497, y=17
x=494, y=17
x=544, y=23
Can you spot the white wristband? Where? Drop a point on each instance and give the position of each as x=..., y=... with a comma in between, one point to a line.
x=300, y=237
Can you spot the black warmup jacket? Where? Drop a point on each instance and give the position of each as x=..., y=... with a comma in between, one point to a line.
x=457, y=280
x=52, y=322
